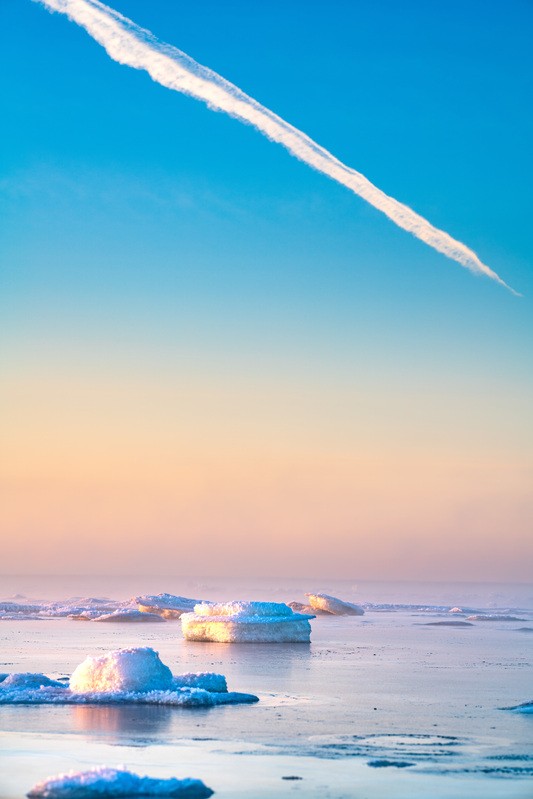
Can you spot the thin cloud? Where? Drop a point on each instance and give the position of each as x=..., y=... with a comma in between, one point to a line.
x=127, y=43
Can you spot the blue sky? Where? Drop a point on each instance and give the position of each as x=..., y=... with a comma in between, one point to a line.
x=142, y=234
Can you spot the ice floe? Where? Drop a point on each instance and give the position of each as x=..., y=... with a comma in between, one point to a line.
x=110, y=782
x=166, y=605
x=129, y=615
x=246, y=622
x=136, y=676
x=334, y=606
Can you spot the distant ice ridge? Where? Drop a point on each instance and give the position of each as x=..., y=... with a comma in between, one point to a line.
x=246, y=622
x=110, y=782
x=166, y=605
x=136, y=676
x=86, y=608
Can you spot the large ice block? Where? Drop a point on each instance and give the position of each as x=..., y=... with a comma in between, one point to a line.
x=246, y=622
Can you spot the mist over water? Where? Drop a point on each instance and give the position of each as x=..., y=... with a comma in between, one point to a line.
x=488, y=595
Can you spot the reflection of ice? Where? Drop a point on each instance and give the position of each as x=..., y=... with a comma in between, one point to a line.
x=246, y=622
x=120, y=722
x=132, y=676
x=109, y=782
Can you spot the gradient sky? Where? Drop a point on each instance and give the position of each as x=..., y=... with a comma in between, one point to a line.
x=214, y=358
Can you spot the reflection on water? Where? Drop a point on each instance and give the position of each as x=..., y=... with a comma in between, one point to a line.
x=269, y=660
x=137, y=725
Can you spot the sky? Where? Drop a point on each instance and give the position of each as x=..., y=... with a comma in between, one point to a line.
x=213, y=358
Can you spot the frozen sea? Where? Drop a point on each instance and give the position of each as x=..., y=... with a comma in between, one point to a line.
x=391, y=704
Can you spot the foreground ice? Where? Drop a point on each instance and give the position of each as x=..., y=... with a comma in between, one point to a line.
x=246, y=622
x=136, y=676
x=337, y=607
x=110, y=782
x=166, y=605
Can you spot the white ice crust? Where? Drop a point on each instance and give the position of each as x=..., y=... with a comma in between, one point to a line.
x=330, y=604
x=166, y=605
x=246, y=622
x=132, y=676
x=110, y=782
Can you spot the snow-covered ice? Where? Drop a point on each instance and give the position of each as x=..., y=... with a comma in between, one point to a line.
x=136, y=676
x=166, y=605
x=139, y=669
x=246, y=622
x=337, y=607
x=110, y=782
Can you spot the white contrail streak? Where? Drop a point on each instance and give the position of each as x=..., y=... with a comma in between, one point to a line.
x=129, y=44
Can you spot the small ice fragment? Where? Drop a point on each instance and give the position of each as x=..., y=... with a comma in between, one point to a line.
x=455, y=610
x=123, y=670
x=110, y=782
x=246, y=622
x=448, y=624
x=166, y=605
x=525, y=707
x=337, y=607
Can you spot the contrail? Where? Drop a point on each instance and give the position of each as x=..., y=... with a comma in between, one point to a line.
x=129, y=44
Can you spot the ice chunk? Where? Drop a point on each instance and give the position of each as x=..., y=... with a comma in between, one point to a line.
x=455, y=610
x=129, y=615
x=337, y=607
x=110, y=782
x=123, y=670
x=126, y=676
x=27, y=680
x=253, y=622
x=166, y=605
